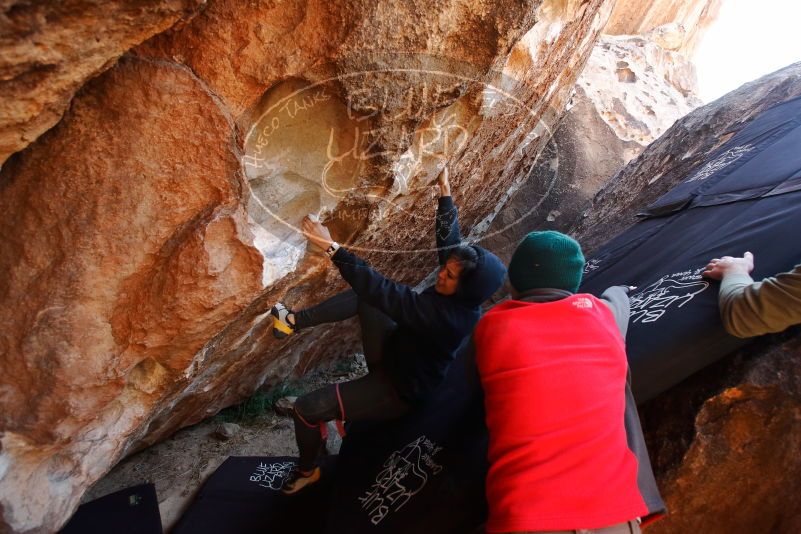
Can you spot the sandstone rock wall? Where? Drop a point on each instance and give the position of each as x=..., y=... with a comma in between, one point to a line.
x=638, y=88
x=728, y=443
x=146, y=234
x=639, y=80
x=673, y=24
x=49, y=50
x=631, y=91
x=670, y=158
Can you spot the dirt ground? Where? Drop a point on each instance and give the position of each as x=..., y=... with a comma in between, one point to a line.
x=179, y=465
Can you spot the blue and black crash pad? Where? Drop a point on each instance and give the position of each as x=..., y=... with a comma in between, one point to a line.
x=745, y=197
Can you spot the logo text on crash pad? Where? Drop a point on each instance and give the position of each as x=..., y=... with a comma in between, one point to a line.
x=670, y=291
x=404, y=474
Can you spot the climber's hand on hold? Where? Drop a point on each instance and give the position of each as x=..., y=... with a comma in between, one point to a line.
x=718, y=268
x=444, y=183
x=316, y=233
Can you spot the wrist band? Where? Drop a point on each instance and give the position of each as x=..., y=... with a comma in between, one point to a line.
x=330, y=251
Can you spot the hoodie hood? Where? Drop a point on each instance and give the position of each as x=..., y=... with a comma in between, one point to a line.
x=486, y=278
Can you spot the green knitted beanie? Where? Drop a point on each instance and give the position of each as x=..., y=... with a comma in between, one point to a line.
x=546, y=259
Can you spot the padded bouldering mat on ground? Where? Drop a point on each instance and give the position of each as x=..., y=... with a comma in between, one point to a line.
x=745, y=197
x=243, y=496
x=420, y=473
x=130, y=511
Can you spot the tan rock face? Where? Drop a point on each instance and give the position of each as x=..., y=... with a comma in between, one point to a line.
x=726, y=443
x=631, y=91
x=49, y=50
x=639, y=88
x=147, y=233
x=673, y=24
x=670, y=158
x=110, y=238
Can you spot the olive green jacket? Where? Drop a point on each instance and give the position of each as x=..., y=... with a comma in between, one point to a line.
x=750, y=308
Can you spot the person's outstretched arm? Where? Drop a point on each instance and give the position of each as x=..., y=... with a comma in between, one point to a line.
x=749, y=308
x=447, y=223
x=617, y=298
x=399, y=301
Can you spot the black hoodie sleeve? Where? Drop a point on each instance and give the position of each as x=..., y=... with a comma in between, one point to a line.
x=400, y=302
x=472, y=377
x=447, y=228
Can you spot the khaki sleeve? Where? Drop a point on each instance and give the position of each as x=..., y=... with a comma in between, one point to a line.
x=749, y=308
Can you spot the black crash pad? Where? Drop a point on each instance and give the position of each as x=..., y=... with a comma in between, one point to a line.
x=423, y=472
x=130, y=511
x=243, y=496
x=745, y=197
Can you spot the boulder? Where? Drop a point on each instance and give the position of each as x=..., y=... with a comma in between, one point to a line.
x=639, y=80
x=672, y=156
x=146, y=235
x=122, y=217
x=638, y=88
x=226, y=431
x=727, y=443
x=675, y=25
x=631, y=91
x=49, y=50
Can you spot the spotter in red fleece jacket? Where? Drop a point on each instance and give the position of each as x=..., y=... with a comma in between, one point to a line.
x=554, y=380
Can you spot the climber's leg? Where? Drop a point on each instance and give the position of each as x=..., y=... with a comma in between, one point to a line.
x=337, y=308
x=371, y=397
x=376, y=328
x=310, y=411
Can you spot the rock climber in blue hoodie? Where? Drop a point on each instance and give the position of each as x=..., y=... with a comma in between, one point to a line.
x=409, y=338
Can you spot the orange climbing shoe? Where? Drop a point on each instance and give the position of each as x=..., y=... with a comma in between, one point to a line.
x=297, y=480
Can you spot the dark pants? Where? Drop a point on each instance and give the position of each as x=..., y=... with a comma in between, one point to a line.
x=372, y=397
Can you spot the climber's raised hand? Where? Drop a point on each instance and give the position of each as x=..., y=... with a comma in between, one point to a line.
x=316, y=233
x=444, y=183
